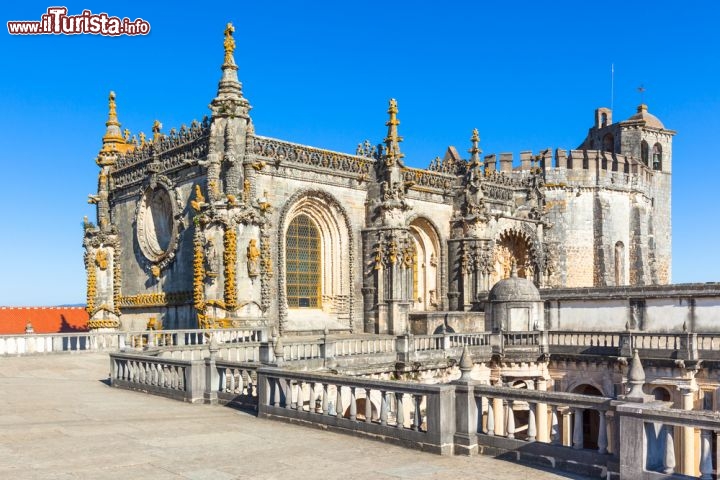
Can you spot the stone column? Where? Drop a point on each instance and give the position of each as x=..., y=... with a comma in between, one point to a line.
x=532, y=425
x=687, y=460
x=577, y=436
x=499, y=416
x=602, y=434
x=541, y=413
x=566, y=428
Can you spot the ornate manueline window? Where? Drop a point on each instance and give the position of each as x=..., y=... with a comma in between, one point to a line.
x=302, y=263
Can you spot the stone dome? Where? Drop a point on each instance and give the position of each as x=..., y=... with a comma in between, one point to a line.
x=642, y=115
x=514, y=289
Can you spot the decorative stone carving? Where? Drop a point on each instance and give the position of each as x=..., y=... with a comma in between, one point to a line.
x=253, y=259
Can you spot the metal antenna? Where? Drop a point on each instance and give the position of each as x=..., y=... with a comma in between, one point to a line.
x=642, y=89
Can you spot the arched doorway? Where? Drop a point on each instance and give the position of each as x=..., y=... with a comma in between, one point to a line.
x=426, y=270
x=591, y=418
x=511, y=247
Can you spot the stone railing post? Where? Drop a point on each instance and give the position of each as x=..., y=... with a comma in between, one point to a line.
x=496, y=342
x=212, y=379
x=404, y=348
x=328, y=349
x=466, y=409
x=626, y=346
x=195, y=382
x=688, y=346
x=440, y=418
x=267, y=353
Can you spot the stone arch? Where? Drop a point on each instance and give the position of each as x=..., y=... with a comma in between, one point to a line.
x=661, y=393
x=591, y=418
x=336, y=262
x=512, y=246
x=608, y=143
x=427, y=270
x=657, y=157
x=644, y=152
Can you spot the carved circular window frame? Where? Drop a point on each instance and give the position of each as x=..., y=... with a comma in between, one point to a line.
x=168, y=255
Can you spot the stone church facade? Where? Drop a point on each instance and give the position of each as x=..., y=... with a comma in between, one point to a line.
x=214, y=225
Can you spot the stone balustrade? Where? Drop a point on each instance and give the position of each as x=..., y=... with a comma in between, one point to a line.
x=364, y=345
x=178, y=379
x=409, y=414
x=593, y=435
x=34, y=343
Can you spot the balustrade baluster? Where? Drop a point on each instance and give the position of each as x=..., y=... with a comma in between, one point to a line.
x=300, y=402
x=276, y=392
x=490, y=421
x=706, y=468
x=368, y=406
x=602, y=433
x=288, y=393
x=353, y=405
x=400, y=411
x=324, y=405
x=383, y=407
x=669, y=452
x=417, y=420
x=510, y=420
x=338, y=402
x=554, y=427
x=532, y=428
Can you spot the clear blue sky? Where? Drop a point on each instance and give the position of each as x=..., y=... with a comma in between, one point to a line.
x=528, y=75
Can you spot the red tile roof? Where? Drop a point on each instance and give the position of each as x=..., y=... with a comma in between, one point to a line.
x=43, y=319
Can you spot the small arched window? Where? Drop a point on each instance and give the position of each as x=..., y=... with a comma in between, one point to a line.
x=644, y=152
x=603, y=120
x=657, y=157
x=609, y=143
x=302, y=264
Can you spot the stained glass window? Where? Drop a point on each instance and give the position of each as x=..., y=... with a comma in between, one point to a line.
x=302, y=257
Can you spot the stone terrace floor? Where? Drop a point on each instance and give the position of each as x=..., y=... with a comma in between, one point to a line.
x=59, y=420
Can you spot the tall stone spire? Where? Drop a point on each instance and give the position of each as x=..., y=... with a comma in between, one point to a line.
x=113, y=141
x=475, y=151
x=229, y=100
x=392, y=141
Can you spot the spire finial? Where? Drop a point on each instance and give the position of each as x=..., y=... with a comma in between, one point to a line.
x=229, y=101
x=475, y=150
x=513, y=269
x=112, y=111
x=113, y=140
x=157, y=126
x=392, y=141
x=229, y=44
